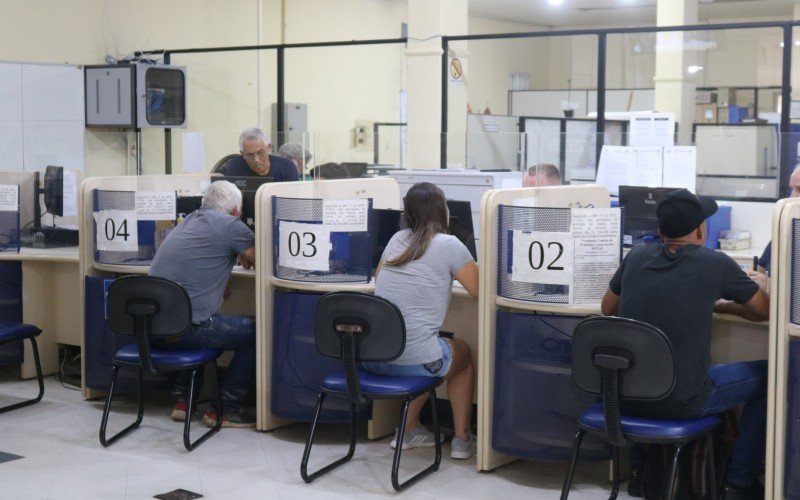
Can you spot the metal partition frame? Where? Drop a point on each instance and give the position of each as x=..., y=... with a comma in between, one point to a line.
x=601, y=35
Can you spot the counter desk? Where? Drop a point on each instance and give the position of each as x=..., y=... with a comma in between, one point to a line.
x=50, y=297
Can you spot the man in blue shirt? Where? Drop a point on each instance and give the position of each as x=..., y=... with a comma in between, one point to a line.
x=256, y=160
x=765, y=262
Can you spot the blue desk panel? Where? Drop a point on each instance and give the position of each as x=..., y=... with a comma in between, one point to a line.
x=297, y=368
x=536, y=404
x=11, y=308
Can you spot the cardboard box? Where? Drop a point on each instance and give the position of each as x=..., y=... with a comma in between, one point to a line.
x=705, y=113
x=705, y=97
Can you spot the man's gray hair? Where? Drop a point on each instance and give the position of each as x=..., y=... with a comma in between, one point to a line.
x=250, y=134
x=294, y=150
x=224, y=196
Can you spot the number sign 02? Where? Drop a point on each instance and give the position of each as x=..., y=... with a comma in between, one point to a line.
x=542, y=257
x=304, y=246
x=116, y=230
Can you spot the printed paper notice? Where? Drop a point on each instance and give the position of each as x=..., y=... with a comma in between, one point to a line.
x=155, y=205
x=542, y=257
x=614, y=168
x=193, y=154
x=116, y=231
x=680, y=167
x=9, y=198
x=345, y=215
x=646, y=167
x=652, y=129
x=304, y=246
x=597, y=250
x=70, y=193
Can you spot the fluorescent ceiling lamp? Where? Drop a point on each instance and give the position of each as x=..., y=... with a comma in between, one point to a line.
x=555, y=2
x=694, y=69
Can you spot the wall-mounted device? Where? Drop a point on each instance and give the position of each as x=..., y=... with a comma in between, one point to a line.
x=137, y=95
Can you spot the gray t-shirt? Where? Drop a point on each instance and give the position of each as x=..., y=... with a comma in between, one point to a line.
x=421, y=290
x=199, y=254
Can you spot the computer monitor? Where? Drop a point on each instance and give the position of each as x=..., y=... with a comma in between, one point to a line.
x=54, y=190
x=639, y=210
x=461, y=224
x=248, y=186
x=187, y=204
x=354, y=169
x=386, y=223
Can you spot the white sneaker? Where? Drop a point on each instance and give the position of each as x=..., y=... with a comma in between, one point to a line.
x=418, y=438
x=461, y=449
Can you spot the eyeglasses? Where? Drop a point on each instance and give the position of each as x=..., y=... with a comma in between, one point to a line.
x=261, y=153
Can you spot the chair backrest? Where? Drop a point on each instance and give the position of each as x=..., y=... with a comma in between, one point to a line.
x=147, y=307
x=355, y=327
x=222, y=164
x=622, y=359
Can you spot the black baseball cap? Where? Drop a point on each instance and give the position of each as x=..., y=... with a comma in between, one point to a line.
x=681, y=212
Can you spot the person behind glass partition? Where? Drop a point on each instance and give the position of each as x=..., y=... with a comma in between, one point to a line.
x=256, y=160
x=295, y=153
x=543, y=174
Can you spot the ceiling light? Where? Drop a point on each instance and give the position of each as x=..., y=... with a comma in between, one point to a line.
x=797, y=43
x=555, y=2
x=694, y=69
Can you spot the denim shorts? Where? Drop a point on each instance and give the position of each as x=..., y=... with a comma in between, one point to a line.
x=436, y=368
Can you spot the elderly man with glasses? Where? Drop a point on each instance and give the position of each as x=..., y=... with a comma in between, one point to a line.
x=256, y=160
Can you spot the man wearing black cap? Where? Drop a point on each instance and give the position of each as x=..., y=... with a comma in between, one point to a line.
x=676, y=285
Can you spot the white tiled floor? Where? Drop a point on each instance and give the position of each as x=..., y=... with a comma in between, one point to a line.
x=64, y=460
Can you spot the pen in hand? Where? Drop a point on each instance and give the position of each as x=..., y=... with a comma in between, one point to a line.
x=755, y=263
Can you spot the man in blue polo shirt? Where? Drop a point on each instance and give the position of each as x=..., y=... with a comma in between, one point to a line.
x=256, y=160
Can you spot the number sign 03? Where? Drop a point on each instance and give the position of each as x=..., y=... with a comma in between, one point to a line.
x=304, y=246
x=116, y=230
x=542, y=257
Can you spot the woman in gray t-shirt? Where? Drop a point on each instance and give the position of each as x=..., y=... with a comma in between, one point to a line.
x=416, y=274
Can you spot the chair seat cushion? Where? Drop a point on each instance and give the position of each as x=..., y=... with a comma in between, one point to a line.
x=650, y=428
x=166, y=359
x=17, y=331
x=381, y=387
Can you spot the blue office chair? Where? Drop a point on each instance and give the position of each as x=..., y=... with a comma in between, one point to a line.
x=147, y=307
x=356, y=327
x=625, y=360
x=18, y=332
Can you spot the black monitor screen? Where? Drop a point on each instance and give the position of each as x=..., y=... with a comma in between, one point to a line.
x=248, y=186
x=187, y=204
x=386, y=223
x=54, y=190
x=461, y=224
x=639, y=208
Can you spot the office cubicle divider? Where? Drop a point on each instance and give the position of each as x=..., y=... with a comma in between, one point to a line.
x=348, y=253
x=511, y=323
x=9, y=223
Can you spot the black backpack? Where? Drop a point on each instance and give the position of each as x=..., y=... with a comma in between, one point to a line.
x=691, y=477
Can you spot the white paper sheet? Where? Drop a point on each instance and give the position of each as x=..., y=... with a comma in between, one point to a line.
x=542, y=257
x=193, y=152
x=680, y=167
x=646, y=167
x=597, y=250
x=345, y=215
x=304, y=246
x=9, y=198
x=70, y=193
x=652, y=129
x=155, y=205
x=614, y=167
x=116, y=230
